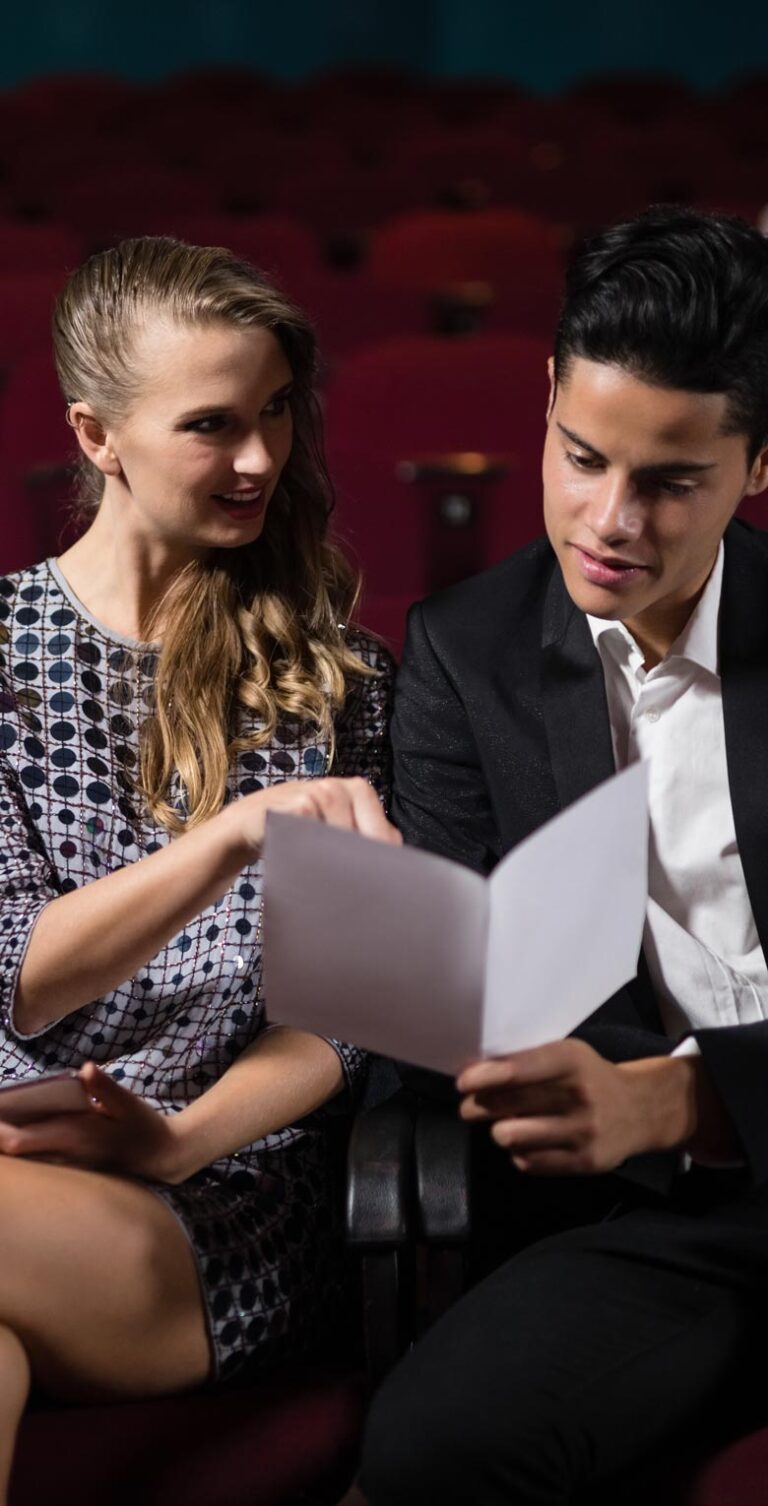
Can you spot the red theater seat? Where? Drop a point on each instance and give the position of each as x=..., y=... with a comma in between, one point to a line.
x=435, y=449
x=498, y=245
x=26, y=303
x=282, y=1441
x=38, y=248
x=37, y=452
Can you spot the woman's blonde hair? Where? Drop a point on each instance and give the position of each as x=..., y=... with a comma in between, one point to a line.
x=260, y=626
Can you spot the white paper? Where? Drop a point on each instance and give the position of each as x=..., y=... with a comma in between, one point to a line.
x=567, y=911
x=383, y=946
x=418, y=958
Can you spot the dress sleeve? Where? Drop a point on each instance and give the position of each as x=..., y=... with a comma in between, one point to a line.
x=27, y=881
x=362, y=750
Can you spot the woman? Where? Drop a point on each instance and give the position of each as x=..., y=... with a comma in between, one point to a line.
x=180, y=670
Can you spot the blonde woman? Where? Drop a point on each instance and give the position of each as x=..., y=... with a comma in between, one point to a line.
x=181, y=670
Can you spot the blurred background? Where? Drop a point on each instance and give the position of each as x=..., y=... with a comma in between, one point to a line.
x=413, y=174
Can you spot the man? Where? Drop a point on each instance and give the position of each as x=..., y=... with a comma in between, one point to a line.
x=637, y=629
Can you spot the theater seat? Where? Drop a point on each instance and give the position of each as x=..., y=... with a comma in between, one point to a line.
x=282, y=1441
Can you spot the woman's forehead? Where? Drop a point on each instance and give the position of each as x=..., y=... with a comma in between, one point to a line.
x=172, y=357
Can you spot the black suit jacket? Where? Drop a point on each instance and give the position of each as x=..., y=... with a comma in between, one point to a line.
x=501, y=721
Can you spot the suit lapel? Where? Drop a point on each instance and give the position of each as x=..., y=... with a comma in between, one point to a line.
x=744, y=674
x=573, y=698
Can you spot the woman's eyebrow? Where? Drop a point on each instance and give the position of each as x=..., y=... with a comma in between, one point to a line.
x=216, y=410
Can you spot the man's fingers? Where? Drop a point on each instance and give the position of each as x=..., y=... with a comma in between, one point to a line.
x=534, y=1134
x=539, y=1064
x=512, y=1100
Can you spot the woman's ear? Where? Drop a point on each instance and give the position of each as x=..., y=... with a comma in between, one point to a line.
x=93, y=438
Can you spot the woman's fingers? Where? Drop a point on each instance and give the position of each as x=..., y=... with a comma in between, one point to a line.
x=364, y=812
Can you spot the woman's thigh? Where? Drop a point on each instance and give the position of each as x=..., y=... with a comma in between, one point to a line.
x=574, y=1360
x=99, y=1281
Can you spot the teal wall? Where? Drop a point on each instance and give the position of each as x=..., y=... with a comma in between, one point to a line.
x=542, y=45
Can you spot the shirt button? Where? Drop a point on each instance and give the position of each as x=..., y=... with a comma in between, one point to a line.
x=652, y=715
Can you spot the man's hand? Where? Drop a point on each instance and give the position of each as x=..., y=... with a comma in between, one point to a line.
x=118, y=1132
x=562, y=1108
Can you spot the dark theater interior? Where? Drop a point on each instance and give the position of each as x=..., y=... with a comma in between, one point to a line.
x=414, y=177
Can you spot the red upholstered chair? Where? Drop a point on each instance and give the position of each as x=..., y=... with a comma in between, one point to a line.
x=431, y=249
x=38, y=248
x=279, y=245
x=103, y=207
x=435, y=449
x=26, y=301
x=37, y=454
x=277, y=1443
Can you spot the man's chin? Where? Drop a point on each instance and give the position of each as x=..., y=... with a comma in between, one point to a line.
x=612, y=605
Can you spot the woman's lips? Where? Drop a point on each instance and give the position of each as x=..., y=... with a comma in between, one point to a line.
x=600, y=572
x=250, y=507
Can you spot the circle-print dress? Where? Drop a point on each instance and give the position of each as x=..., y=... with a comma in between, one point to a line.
x=72, y=699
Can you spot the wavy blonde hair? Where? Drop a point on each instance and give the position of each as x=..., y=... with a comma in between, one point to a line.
x=260, y=626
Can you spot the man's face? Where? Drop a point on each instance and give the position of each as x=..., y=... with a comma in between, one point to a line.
x=639, y=485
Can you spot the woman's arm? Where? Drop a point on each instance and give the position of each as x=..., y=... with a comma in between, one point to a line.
x=282, y=1076
x=88, y=941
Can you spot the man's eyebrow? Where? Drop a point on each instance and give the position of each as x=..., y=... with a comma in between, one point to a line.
x=661, y=468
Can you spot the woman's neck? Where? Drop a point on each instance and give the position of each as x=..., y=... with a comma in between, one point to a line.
x=120, y=579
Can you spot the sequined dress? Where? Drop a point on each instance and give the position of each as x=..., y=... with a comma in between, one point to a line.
x=72, y=699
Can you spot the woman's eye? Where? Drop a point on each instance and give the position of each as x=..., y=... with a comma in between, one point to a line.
x=278, y=405
x=211, y=425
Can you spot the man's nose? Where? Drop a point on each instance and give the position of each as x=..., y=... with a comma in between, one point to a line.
x=616, y=511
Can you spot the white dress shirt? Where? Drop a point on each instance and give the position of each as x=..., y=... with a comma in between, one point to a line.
x=700, y=940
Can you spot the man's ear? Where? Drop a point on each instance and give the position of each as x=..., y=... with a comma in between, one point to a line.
x=552, y=386
x=93, y=438
x=758, y=476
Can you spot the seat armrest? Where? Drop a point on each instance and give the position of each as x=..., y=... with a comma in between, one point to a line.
x=443, y=1182
x=380, y=1176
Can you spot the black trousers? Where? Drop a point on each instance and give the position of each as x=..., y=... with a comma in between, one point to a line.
x=581, y=1357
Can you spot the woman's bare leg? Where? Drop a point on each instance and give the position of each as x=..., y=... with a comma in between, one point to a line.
x=14, y=1389
x=98, y=1284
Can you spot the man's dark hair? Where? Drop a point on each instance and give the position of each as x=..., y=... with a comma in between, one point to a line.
x=678, y=299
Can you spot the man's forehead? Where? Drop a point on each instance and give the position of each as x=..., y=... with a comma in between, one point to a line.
x=607, y=405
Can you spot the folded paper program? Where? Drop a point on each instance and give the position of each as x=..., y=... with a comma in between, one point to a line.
x=415, y=957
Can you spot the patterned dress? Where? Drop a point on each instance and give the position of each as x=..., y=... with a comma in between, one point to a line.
x=72, y=699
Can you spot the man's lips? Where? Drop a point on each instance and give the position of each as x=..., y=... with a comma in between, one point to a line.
x=607, y=570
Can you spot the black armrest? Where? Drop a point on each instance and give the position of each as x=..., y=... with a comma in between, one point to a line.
x=443, y=1184
x=380, y=1180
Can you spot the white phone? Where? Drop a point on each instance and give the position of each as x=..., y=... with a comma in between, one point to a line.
x=29, y=1098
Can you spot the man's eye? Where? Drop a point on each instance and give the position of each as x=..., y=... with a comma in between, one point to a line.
x=677, y=488
x=669, y=488
x=583, y=462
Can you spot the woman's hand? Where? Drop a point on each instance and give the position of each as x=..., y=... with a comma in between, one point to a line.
x=349, y=803
x=118, y=1132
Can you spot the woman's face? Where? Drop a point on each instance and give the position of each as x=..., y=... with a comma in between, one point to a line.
x=199, y=456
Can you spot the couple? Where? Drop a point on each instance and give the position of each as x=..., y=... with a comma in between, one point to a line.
x=182, y=669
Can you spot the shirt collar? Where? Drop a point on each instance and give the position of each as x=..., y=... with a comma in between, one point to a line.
x=698, y=640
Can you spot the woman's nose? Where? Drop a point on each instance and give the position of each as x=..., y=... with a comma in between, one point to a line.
x=253, y=457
